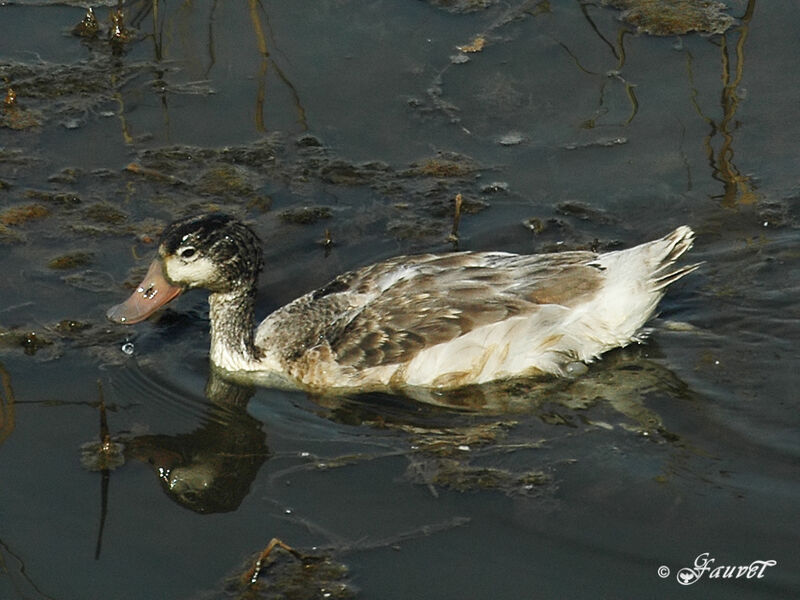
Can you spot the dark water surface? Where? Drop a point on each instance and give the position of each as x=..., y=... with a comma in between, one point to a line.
x=563, y=128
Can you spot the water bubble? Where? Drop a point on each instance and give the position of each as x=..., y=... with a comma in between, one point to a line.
x=127, y=348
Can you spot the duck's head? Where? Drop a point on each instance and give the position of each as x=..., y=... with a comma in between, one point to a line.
x=211, y=251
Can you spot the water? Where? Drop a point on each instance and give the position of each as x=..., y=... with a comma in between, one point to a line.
x=343, y=131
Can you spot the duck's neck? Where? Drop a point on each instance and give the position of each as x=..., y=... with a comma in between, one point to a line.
x=232, y=329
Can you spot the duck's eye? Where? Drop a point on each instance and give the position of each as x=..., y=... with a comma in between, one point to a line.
x=187, y=252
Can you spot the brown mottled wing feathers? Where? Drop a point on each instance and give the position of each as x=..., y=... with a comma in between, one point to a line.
x=443, y=297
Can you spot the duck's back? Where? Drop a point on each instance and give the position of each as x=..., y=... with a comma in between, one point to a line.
x=454, y=319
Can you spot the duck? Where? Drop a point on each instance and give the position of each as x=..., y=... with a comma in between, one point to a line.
x=434, y=321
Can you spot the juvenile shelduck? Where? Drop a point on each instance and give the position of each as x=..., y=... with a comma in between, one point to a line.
x=431, y=320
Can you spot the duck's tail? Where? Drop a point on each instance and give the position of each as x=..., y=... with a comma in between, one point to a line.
x=665, y=252
x=650, y=264
x=636, y=279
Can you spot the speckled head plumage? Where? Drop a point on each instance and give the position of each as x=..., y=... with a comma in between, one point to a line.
x=212, y=251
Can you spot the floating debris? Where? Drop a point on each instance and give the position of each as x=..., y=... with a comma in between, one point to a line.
x=225, y=181
x=88, y=27
x=305, y=215
x=64, y=199
x=463, y=6
x=14, y=116
x=453, y=474
x=66, y=175
x=10, y=101
x=558, y=235
x=28, y=340
x=251, y=576
x=601, y=142
x=118, y=35
x=453, y=237
x=308, y=141
x=67, y=93
x=71, y=260
x=451, y=441
x=152, y=174
x=327, y=241
x=444, y=166
x=476, y=45
x=584, y=212
x=291, y=574
x=19, y=215
x=535, y=224
x=425, y=188
x=105, y=455
x=512, y=138
x=105, y=213
x=495, y=187
x=70, y=326
x=674, y=17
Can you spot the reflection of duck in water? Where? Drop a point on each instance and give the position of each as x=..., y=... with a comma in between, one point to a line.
x=617, y=388
x=211, y=469
x=432, y=321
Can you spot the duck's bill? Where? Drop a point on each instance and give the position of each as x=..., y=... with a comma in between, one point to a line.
x=150, y=295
